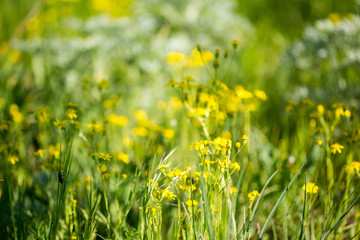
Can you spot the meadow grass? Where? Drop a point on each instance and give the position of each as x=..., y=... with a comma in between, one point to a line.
x=207, y=156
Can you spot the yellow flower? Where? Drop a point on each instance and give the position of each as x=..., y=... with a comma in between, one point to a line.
x=71, y=114
x=140, y=115
x=60, y=124
x=336, y=148
x=13, y=159
x=174, y=58
x=238, y=145
x=123, y=157
x=235, y=166
x=233, y=190
x=260, y=94
x=168, y=133
x=320, y=109
x=339, y=112
x=319, y=142
x=353, y=168
x=95, y=127
x=124, y=175
x=191, y=203
x=347, y=113
x=244, y=137
x=252, y=195
x=117, y=120
x=213, y=208
x=198, y=59
x=310, y=188
x=102, y=156
x=40, y=152
x=168, y=194
x=15, y=114
x=54, y=150
x=140, y=131
x=334, y=18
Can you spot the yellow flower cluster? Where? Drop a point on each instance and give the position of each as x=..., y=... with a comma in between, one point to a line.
x=196, y=58
x=353, y=168
x=310, y=188
x=252, y=195
x=146, y=126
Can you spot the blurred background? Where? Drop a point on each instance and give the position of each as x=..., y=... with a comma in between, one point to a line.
x=111, y=56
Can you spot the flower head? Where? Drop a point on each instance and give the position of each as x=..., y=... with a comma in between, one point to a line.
x=336, y=148
x=252, y=195
x=310, y=188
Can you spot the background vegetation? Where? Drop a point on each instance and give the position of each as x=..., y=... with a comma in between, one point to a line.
x=100, y=101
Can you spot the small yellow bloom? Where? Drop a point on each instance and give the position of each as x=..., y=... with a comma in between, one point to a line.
x=235, y=166
x=13, y=159
x=336, y=148
x=71, y=114
x=238, y=145
x=319, y=142
x=252, y=195
x=40, y=152
x=353, y=168
x=168, y=194
x=168, y=133
x=260, y=94
x=120, y=121
x=213, y=208
x=123, y=157
x=310, y=188
x=140, y=115
x=15, y=114
x=233, y=190
x=60, y=124
x=191, y=203
x=140, y=131
x=320, y=109
x=124, y=175
x=174, y=58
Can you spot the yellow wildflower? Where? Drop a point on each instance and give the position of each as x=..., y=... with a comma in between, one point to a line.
x=252, y=195
x=140, y=115
x=191, y=203
x=15, y=114
x=336, y=148
x=40, y=152
x=168, y=133
x=320, y=109
x=71, y=114
x=260, y=94
x=117, y=120
x=60, y=124
x=353, y=168
x=319, y=142
x=233, y=190
x=13, y=159
x=123, y=157
x=235, y=166
x=140, y=131
x=310, y=188
x=168, y=194
x=174, y=58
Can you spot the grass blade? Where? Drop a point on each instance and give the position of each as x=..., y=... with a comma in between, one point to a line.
x=278, y=202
